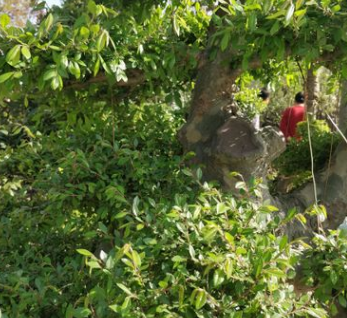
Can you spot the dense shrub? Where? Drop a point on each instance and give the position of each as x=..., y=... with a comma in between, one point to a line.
x=324, y=268
x=293, y=168
x=297, y=157
x=100, y=218
x=56, y=187
x=203, y=255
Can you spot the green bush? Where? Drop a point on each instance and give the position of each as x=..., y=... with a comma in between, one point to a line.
x=100, y=218
x=297, y=157
x=56, y=187
x=199, y=255
x=324, y=268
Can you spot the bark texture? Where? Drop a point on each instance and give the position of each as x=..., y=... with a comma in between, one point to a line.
x=331, y=185
x=342, y=119
x=311, y=92
x=224, y=143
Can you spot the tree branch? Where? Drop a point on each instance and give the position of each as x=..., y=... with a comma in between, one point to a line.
x=135, y=77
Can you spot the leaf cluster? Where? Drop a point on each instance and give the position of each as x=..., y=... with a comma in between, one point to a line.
x=297, y=157
x=101, y=218
x=324, y=267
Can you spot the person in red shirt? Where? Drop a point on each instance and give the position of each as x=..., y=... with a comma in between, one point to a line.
x=292, y=116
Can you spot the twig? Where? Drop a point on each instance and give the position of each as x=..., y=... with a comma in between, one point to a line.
x=113, y=120
x=337, y=128
x=301, y=71
x=329, y=165
x=135, y=77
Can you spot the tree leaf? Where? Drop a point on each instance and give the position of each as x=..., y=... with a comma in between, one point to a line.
x=63, y=61
x=275, y=27
x=49, y=74
x=199, y=173
x=84, y=252
x=74, y=69
x=125, y=289
x=92, y=7
x=290, y=12
x=283, y=242
x=191, y=251
x=96, y=67
x=126, y=304
x=4, y=20
x=115, y=308
x=135, y=206
x=178, y=259
x=252, y=21
x=300, y=13
x=128, y=263
x=176, y=26
x=84, y=32
x=55, y=83
x=181, y=295
x=333, y=277
x=342, y=301
x=275, y=15
x=102, y=41
x=200, y=299
x=316, y=312
x=26, y=52
x=275, y=272
x=13, y=56
x=82, y=312
x=4, y=77
x=225, y=41
x=229, y=238
x=136, y=258
x=218, y=277
x=48, y=22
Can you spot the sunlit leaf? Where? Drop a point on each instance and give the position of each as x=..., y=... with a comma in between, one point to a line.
x=6, y=76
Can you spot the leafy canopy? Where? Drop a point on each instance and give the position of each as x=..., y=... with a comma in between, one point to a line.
x=162, y=41
x=98, y=216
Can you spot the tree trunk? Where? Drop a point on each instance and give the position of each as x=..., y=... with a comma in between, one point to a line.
x=342, y=121
x=224, y=143
x=311, y=92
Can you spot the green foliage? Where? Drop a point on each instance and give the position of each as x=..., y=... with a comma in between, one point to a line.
x=248, y=101
x=164, y=41
x=199, y=255
x=297, y=158
x=324, y=269
x=99, y=217
x=101, y=41
x=272, y=30
x=56, y=188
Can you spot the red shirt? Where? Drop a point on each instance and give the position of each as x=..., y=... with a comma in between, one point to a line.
x=290, y=118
